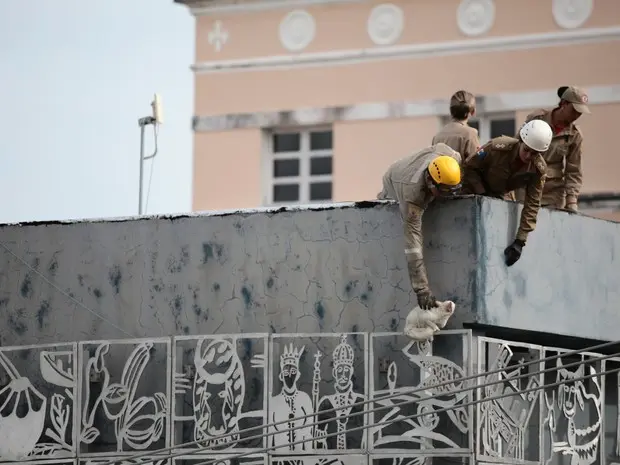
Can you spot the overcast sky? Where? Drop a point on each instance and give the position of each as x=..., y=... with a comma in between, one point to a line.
x=76, y=76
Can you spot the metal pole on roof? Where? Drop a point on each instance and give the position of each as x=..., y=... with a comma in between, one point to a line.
x=156, y=119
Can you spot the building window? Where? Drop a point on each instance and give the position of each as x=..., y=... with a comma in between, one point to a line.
x=299, y=167
x=494, y=125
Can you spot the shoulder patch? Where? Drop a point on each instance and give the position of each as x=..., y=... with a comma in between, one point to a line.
x=503, y=143
x=481, y=153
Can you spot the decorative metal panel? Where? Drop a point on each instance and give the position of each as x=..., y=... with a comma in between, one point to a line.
x=307, y=399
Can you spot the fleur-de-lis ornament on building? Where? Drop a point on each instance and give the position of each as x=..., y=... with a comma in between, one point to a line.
x=218, y=36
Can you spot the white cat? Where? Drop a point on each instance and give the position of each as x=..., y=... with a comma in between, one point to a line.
x=421, y=325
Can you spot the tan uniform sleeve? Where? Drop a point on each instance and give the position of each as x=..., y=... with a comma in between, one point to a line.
x=572, y=171
x=471, y=146
x=414, y=248
x=533, y=192
x=473, y=170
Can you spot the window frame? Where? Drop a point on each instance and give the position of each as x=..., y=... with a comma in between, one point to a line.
x=304, y=155
x=484, y=121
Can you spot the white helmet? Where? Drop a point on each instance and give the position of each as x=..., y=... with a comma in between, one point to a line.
x=537, y=135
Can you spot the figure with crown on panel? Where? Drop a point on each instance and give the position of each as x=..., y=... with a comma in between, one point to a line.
x=289, y=405
x=337, y=423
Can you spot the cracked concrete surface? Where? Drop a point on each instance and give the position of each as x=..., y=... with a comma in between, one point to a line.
x=309, y=270
x=325, y=269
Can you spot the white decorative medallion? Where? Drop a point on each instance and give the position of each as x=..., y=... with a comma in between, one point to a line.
x=571, y=14
x=475, y=17
x=297, y=30
x=218, y=36
x=385, y=24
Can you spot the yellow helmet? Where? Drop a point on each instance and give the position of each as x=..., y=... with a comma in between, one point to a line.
x=445, y=170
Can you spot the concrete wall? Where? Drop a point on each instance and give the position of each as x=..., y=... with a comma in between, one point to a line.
x=328, y=269
x=566, y=282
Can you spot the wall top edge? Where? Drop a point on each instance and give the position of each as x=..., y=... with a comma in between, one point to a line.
x=555, y=215
x=215, y=213
x=271, y=210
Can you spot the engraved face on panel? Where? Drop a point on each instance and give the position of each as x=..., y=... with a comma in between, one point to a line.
x=219, y=390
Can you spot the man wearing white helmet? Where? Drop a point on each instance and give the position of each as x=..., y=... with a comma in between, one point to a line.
x=505, y=164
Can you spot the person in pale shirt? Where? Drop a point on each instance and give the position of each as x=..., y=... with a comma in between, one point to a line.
x=414, y=182
x=457, y=134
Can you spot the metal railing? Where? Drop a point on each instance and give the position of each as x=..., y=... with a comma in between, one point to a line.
x=485, y=383
x=173, y=452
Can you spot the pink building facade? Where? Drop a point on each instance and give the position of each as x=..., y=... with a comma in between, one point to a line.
x=305, y=101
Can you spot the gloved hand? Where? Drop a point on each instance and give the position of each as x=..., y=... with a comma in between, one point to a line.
x=513, y=252
x=571, y=207
x=426, y=300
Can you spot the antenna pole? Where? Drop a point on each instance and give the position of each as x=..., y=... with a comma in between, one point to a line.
x=143, y=122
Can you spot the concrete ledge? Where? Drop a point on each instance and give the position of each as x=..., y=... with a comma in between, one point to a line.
x=207, y=213
x=299, y=269
x=320, y=268
x=567, y=281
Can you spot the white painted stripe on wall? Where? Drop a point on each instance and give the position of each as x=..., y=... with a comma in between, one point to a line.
x=266, y=5
x=413, y=51
x=495, y=103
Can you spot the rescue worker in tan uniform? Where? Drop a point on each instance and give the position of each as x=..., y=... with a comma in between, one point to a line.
x=457, y=134
x=504, y=164
x=415, y=181
x=564, y=175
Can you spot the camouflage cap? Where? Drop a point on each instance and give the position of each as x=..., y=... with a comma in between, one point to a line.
x=576, y=96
